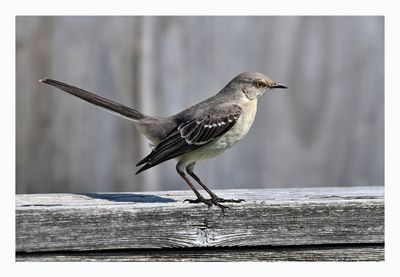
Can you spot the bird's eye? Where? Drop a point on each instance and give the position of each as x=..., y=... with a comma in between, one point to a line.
x=260, y=84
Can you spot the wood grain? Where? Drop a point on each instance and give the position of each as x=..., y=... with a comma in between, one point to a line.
x=269, y=217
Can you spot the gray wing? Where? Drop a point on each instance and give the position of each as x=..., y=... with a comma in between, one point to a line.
x=192, y=134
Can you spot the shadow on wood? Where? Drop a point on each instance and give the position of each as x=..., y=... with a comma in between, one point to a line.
x=129, y=197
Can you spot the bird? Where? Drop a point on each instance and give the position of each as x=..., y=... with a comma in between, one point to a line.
x=197, y=133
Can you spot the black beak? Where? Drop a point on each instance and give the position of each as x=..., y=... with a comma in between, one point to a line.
x=278, y=85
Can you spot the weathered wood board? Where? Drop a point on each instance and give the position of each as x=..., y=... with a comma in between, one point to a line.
x=310, y=217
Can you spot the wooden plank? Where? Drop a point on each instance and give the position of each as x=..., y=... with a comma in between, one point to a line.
x=314, y=253
x=100, y=221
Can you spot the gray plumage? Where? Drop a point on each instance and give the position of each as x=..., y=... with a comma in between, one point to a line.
x=197, y=133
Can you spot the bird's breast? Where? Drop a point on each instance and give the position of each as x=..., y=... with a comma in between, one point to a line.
x=242, y=126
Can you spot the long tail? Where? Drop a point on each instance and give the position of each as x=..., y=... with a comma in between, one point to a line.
x=96, y=100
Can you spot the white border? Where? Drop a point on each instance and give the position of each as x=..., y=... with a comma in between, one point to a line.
x=207, y=7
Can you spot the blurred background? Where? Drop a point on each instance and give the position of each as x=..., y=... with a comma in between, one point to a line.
x=327, y=129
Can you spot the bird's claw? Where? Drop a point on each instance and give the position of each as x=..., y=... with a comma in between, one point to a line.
x=199, y=200
x=214, y=201
x=222, y=200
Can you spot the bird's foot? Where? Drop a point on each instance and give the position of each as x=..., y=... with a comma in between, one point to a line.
x=222, y=200
x=209, y=202
x=199, y=199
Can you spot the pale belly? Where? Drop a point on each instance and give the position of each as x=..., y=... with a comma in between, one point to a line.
x=233, y=136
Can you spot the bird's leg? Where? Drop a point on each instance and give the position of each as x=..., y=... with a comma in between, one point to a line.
x=214, y=198
x=200, y=198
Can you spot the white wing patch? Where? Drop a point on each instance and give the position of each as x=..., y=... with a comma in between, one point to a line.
x=203, y=131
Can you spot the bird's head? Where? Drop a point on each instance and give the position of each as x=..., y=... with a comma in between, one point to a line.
x=253, y=84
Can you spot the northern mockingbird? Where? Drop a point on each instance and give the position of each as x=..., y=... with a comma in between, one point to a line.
x=200, y=132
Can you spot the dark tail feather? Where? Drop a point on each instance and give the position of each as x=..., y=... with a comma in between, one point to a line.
x=94, y=99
